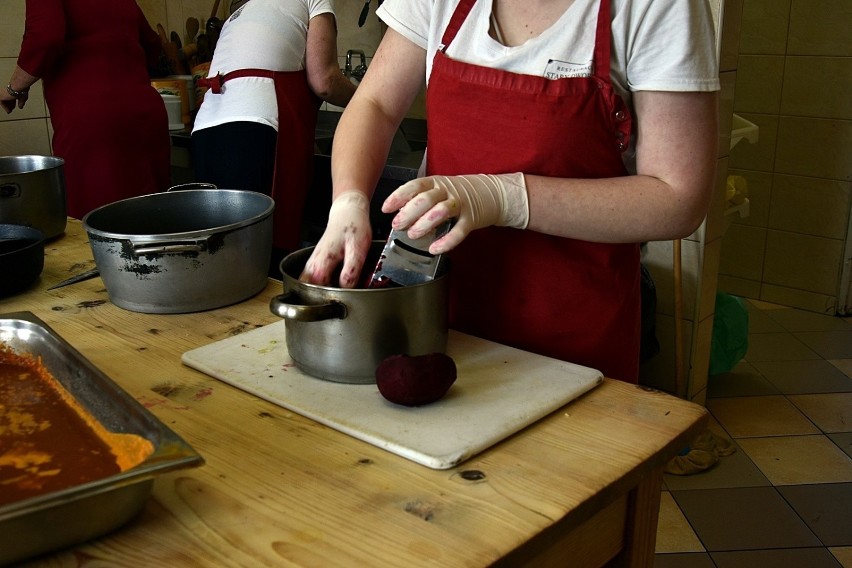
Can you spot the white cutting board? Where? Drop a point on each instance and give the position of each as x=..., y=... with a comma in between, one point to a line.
x=499, y=390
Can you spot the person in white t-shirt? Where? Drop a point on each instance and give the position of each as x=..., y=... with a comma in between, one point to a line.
x=274, y=62
x=561, y=133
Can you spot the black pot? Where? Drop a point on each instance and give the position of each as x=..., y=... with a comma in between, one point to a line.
x=21, y=257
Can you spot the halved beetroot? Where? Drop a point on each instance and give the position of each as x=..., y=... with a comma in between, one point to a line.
x=415, y=380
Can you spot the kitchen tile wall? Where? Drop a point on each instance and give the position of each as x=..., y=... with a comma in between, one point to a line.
x=793, y=81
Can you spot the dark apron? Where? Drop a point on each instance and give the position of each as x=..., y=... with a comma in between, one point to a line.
x=564, y=298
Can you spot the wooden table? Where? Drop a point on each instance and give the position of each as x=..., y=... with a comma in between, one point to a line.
x=578, y=488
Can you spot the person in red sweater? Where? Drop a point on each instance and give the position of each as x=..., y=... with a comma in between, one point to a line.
x=110, y=125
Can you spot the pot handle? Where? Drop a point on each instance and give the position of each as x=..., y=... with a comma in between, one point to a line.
x=171, y=248
x=9, y=190
x=281, y=306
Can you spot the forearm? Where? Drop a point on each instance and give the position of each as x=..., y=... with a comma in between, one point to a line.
x=21, y=80
x=612, y=210
x=366, y=129
x=676, y=153
x=361, y=144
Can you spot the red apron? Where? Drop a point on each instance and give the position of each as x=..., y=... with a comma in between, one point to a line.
x=297, y=120
x=564, y=298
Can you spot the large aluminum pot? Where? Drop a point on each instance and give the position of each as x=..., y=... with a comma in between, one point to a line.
x=342, y=334
x=182, y=251
x=32, y=193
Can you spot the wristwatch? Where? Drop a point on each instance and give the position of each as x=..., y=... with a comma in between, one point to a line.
x=17, y=94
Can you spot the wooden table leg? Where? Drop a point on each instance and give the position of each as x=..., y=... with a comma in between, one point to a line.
x=643, y=509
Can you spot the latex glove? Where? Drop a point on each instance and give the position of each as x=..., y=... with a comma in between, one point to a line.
x=347, y=239
x=477, y=201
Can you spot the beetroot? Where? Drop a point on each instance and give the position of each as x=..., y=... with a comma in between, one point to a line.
x=415, y=380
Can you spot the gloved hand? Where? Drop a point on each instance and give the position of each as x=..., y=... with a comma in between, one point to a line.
x=347, y=238
x=476, y=201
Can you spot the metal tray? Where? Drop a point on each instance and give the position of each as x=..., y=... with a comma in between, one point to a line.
x=62, y=518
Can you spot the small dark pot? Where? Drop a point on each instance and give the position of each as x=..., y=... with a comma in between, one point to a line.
x=21, y=257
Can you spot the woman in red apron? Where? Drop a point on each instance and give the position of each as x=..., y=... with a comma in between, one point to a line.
x=568, y=285
x=109, y=125
x=247, y=137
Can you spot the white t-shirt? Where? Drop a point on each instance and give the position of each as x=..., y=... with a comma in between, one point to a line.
x=662, y=45
x=262, y=34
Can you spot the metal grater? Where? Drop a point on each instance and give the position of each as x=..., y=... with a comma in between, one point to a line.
x=405, y=261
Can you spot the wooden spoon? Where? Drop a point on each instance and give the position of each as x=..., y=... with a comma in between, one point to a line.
x=192, y=27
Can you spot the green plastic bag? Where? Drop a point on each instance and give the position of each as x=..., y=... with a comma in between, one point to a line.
x=730, y=333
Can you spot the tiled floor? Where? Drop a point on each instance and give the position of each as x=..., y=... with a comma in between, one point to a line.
x=784, y=499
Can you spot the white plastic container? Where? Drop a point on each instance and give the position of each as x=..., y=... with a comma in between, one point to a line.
x=173, y=108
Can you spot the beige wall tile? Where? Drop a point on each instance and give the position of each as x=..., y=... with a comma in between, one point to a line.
x=820, y=27
x=714, y=223
x=819, y=303
x=764, y=27
x=730, y=40
x=700, y=363
x=349, y=35
x=759, y=83
x=659, y=260
x=803, y=262
x=739, y=286
x=20, y=137
x=155, y=11
x=743, y=250
x=759, y=185
x=813, y=206
x=728, y=80
x=759, y=156
x=707, y=296
x=818, y=87
x=814, y=147
x=11, y=29
x=658, y=372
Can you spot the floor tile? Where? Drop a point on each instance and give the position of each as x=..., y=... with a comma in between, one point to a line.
x=689, y=560
x=843, y=555
x=673, y=531
x=843, y=441
x=783, y=558
x=832, y=413
x=744, y=519
x=792, y=319
x=760, y=322
x=790, y=460
x=845, y=365
x=743, y=380
x=802, y=377
x=757, y=416
x=828, y=344
x=777, y=347
x=826, y=508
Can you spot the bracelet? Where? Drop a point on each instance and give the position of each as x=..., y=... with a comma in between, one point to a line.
x=17, y=94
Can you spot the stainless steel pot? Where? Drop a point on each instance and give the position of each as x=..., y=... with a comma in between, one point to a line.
x=342, y=334
x=32, y=192
x=182, y=251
